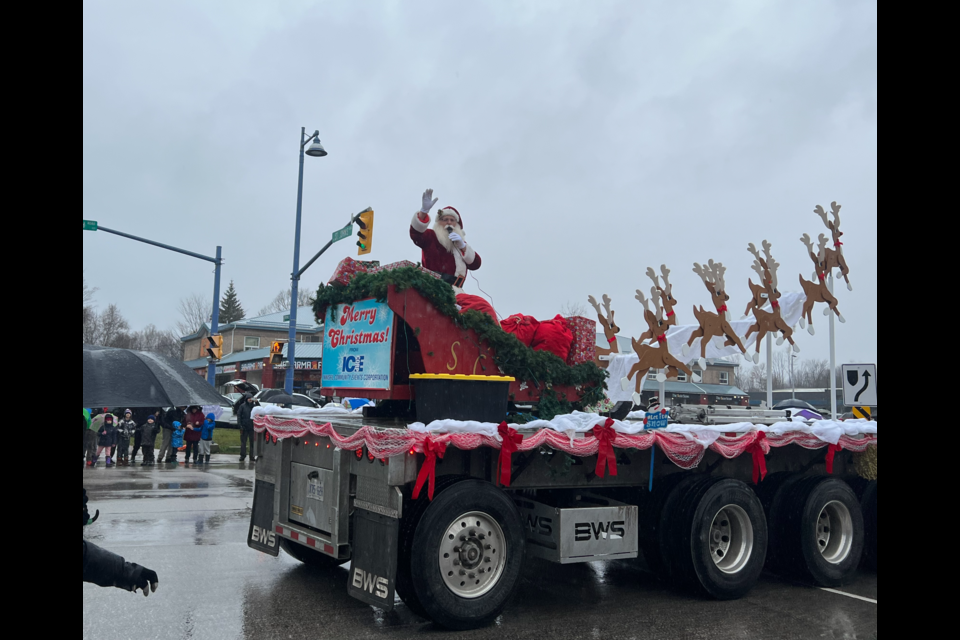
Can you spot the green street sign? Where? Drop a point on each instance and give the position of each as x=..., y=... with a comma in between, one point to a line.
x=91, y=225
x=286, y=317
x=346, y=232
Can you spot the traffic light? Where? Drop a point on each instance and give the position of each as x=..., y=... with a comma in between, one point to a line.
x=276, y=352
x=365, y=222
x=215, y=347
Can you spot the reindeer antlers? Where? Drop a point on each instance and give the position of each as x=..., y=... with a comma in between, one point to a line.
x=606, y=306
x=771, y=264
x=642, y=299
x=835, y=210
x=718, y=270
x=667, y=287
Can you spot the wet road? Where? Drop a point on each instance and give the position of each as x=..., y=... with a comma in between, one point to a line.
x=190, y=525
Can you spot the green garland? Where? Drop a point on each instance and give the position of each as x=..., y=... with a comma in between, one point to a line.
x=513, y=357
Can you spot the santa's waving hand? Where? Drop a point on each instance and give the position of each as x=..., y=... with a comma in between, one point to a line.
x=445, y=248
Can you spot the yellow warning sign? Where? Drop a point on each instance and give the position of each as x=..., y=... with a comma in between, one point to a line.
x=863, y=413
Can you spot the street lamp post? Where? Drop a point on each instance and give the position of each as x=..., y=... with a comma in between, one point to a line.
x=317, y=151
x=793, y=381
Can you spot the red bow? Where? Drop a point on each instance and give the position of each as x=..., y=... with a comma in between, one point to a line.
x=822, y=276
x=606, y=459
x=428, y=471
x=508, y=447
x=832, y=451
x=722, y=309
x=837, y=244
x=759, y=461
x=775, y=304
x=661, y=338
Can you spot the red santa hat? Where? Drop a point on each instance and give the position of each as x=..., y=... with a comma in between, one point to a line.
x=450, y=211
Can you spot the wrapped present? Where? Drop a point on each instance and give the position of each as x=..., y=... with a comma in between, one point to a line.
x=404, y=263
x=348, y=268
x=583, y=348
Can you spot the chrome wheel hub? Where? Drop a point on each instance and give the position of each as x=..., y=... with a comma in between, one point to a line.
x=835, y=532
x=472, y=555
x=731, y=539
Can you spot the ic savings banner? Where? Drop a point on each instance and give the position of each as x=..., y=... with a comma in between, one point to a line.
x=357, y=346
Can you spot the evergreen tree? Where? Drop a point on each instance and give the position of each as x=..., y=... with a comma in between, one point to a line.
x=230, y=308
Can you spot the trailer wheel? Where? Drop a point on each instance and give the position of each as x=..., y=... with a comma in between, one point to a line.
x=308, y=556
x=820, y=531
x=869, y=505
x=773, y=493
x=657, y=518
x=720, y=541
x=467, y=554
x=413, y=511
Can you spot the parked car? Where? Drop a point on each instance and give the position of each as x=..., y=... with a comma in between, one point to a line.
x=299, y=400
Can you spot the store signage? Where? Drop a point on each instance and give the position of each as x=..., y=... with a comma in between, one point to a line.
x=304, y=365
x=358, y=346
x=251, y=366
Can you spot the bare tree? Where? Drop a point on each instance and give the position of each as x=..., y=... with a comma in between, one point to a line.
x=195, y=311
x=89, y=312
x=281, y=302
x=155, y=340
x=114, y=330
x=570, y=309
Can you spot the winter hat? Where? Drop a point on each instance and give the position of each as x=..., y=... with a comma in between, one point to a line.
x=176, y=425
x=127, y=412
x=151, y=417
x=211, y=417
x=450, y=211
x=108, y=418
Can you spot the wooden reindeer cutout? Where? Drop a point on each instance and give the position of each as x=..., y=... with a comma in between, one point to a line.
x=610, y=330
x=666, y=294
x=834, y=257
x=713, y=324
x=653, y=357
x=768, y=321
x=816, y=290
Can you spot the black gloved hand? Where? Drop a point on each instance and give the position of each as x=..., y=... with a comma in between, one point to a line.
x=141, y=578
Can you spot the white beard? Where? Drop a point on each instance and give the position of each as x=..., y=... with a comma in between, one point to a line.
x=443, y=237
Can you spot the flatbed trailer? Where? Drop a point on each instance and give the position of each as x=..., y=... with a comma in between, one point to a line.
x=327, y=493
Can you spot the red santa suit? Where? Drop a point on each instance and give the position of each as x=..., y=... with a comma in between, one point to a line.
x=438, y=251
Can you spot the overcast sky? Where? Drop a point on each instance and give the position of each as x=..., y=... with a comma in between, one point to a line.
x=581, y=142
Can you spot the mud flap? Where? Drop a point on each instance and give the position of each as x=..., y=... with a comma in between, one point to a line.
x=373, y=569
x=262, y=536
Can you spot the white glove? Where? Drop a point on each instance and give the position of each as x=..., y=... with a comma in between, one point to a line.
x=457, y=239
x=428, y=201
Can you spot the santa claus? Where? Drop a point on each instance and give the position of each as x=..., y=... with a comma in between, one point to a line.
x=445, y=249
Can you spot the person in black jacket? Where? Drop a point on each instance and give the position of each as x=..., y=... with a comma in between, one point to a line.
x=245, y=422
x=167, y=453
x=107, y=569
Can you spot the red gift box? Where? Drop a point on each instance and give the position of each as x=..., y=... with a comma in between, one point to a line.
x=584, y=346
x=404, y=263
x=348, y=268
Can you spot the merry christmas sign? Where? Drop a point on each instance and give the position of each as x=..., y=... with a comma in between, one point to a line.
x=357, y=346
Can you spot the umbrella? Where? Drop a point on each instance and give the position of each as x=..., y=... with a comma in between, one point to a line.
x=127, y=378
x=794, y=403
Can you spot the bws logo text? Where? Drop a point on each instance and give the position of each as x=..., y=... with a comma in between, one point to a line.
x=584, y=531
x=540, y=525
x=370, y=583
x=263, y=536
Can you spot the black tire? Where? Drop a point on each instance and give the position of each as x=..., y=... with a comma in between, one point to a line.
x=810, y=548
x=869, y=505
x=413, y=511
x=442, y=604
x=308, y=556
x=651, y=507
x=773, y=494
x=718, y=543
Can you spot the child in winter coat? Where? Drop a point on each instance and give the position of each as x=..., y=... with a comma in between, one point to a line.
x=206, y=437
x=125, y=431
x=176, y=440
x=148, y=437
x=106, y=439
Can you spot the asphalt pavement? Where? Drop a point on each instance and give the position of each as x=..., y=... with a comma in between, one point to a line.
x=190, y=525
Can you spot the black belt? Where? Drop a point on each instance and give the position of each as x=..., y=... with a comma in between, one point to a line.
x=456, y=281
